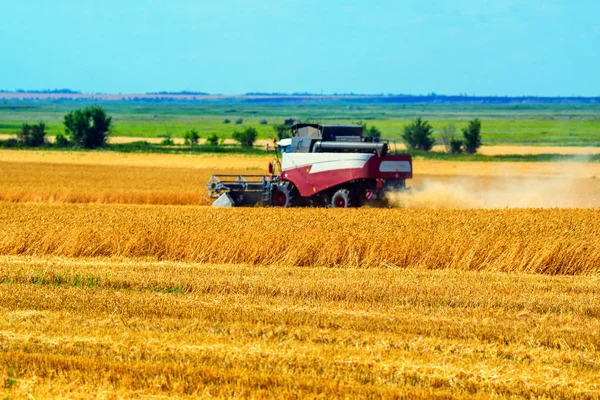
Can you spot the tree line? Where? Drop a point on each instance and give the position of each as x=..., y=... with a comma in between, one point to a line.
x=90, y=127
x=418, y=135
x=86, y=128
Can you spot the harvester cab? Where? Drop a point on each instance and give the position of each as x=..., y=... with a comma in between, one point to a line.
x=320, y=165
x=285, y=145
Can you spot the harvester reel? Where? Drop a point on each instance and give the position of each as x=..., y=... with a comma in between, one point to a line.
x=284, y=195
x=341, y=199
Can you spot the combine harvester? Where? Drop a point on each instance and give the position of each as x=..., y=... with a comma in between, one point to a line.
x=321, y=166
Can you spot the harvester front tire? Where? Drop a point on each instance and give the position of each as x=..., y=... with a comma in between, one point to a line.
x=284, y=195
x=341, y=199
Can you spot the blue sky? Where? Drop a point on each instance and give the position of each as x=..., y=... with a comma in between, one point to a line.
x=500, y=47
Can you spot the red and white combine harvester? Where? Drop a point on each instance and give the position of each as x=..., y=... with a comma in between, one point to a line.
x=322, y=166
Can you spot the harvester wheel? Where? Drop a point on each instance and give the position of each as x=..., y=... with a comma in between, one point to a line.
x=284, y=195
x=341, y=199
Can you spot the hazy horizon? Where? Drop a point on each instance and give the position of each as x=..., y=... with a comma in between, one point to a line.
x=510, y=48
x=62, y=91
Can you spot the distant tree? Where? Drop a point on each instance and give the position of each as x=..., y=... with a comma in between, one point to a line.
x=369, y=131
x=213, y=140
x=226, y=121
x=448, y=133
x=472, y=135
x=61, y=141
x=88, y=128
x=418, y=135
x=239, y=121
x=11, y=142
x=456, y=146
x=167, y=141
x=191, y=137
x=372, y=132
x=282, y=130
x=24, y=135
x=247, y=137
x=32, y=135
x=451, y=143
x=38, y=134
x=263, y=122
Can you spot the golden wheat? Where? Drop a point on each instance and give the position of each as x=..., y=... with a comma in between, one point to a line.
x=541, y=241
x=111, y=301
x=73, y=183
x=90, y=177
x=81, y=328
x=102, y=158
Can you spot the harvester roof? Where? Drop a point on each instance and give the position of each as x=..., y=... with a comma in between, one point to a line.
x=327, y=132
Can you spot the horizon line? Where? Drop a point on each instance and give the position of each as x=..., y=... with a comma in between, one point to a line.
x=188, y=93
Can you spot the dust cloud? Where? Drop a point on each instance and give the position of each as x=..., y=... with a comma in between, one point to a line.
x=575, y=188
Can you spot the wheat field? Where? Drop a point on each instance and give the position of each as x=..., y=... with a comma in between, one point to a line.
x=115, y=282
x=71, y=177
x=537, y=241
x=108, y=329
x=96, y=177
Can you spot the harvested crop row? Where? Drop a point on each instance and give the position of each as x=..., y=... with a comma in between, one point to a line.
x=134, y=328
x=539, y=241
